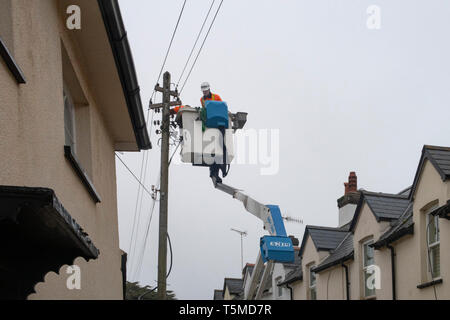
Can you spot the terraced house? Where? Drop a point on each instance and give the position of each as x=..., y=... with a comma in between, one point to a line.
x=387, y=246
x=69, y=99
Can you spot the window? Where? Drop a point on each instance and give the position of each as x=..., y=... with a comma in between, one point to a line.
x=312, y=284
x=433, y=245
x=69, y=120
x=280, y=288
x=77, y=121
x=77, y=125
x=368, y=261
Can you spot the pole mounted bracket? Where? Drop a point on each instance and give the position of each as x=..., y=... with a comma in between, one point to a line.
x=162, y=105
x=170, y=104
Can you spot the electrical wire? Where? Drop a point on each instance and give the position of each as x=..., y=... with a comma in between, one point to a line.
x=195, y=43
x=139, y=194
x=168, y=274
x=170, y=161
x=145, y=154
x=198, y=54
x=142, y=253
x=151, y=98
x=170, y=44
x=138, y=268
x=135, y=177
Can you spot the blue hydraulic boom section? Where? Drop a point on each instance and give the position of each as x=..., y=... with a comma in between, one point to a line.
x=278, y=246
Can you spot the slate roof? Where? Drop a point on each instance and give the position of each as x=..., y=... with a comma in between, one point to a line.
x=218, y=295
x=324, y=238
x=384, y=206
x=439, y=158
x=343, y=252
x=235, y=286
x=403, y=225
x=294, y=275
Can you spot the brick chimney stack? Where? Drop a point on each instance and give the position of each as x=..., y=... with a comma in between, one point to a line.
x=352, y=184
x=347, y=203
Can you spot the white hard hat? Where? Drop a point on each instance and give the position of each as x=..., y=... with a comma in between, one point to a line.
x=205, y=86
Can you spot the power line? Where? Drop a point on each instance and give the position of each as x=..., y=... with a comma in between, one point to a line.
x=142, y=252
x=170, y=44
x=198, y=54
x=139, y=194
x=135, y=177
x=148, y=112
x=168, y=273
x=196, y=41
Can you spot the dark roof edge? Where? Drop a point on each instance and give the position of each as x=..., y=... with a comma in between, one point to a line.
x=404, y=190
x=293, y=279
x=385, y=195
x=394, y=237
x=334, y=263
x=305, y=235
x=443, y=211
x=120, y=46
x=425, y=155
x=361, y=201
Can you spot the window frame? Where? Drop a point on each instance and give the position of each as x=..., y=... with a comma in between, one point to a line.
x=280, y=288
x=433, y=245
x=367, y=293
x=312, y=287
x=69, y=107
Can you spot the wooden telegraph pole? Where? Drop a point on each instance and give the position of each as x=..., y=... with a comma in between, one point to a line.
x=164, y=189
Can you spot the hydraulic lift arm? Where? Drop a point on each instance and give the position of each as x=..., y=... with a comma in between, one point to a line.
x=274, y=248
x=277, y=246
x=254, y=207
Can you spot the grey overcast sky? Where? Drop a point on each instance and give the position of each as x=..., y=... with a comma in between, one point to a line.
x=344, y=98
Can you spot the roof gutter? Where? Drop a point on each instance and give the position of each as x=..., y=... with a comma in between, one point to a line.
x=393, y=237
x=443, y=212
x=120, y=46
x=334, y=263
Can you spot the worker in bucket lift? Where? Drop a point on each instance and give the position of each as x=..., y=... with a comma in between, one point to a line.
x=207, y=95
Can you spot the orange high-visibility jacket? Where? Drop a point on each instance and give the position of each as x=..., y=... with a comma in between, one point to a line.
x=176, y=109
x=214, y=97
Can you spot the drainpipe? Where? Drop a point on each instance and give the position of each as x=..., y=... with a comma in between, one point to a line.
x=393, y=270
x=290, y=289
x=347, y=282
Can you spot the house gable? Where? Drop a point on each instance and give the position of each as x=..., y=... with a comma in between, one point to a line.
x=439, y=158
